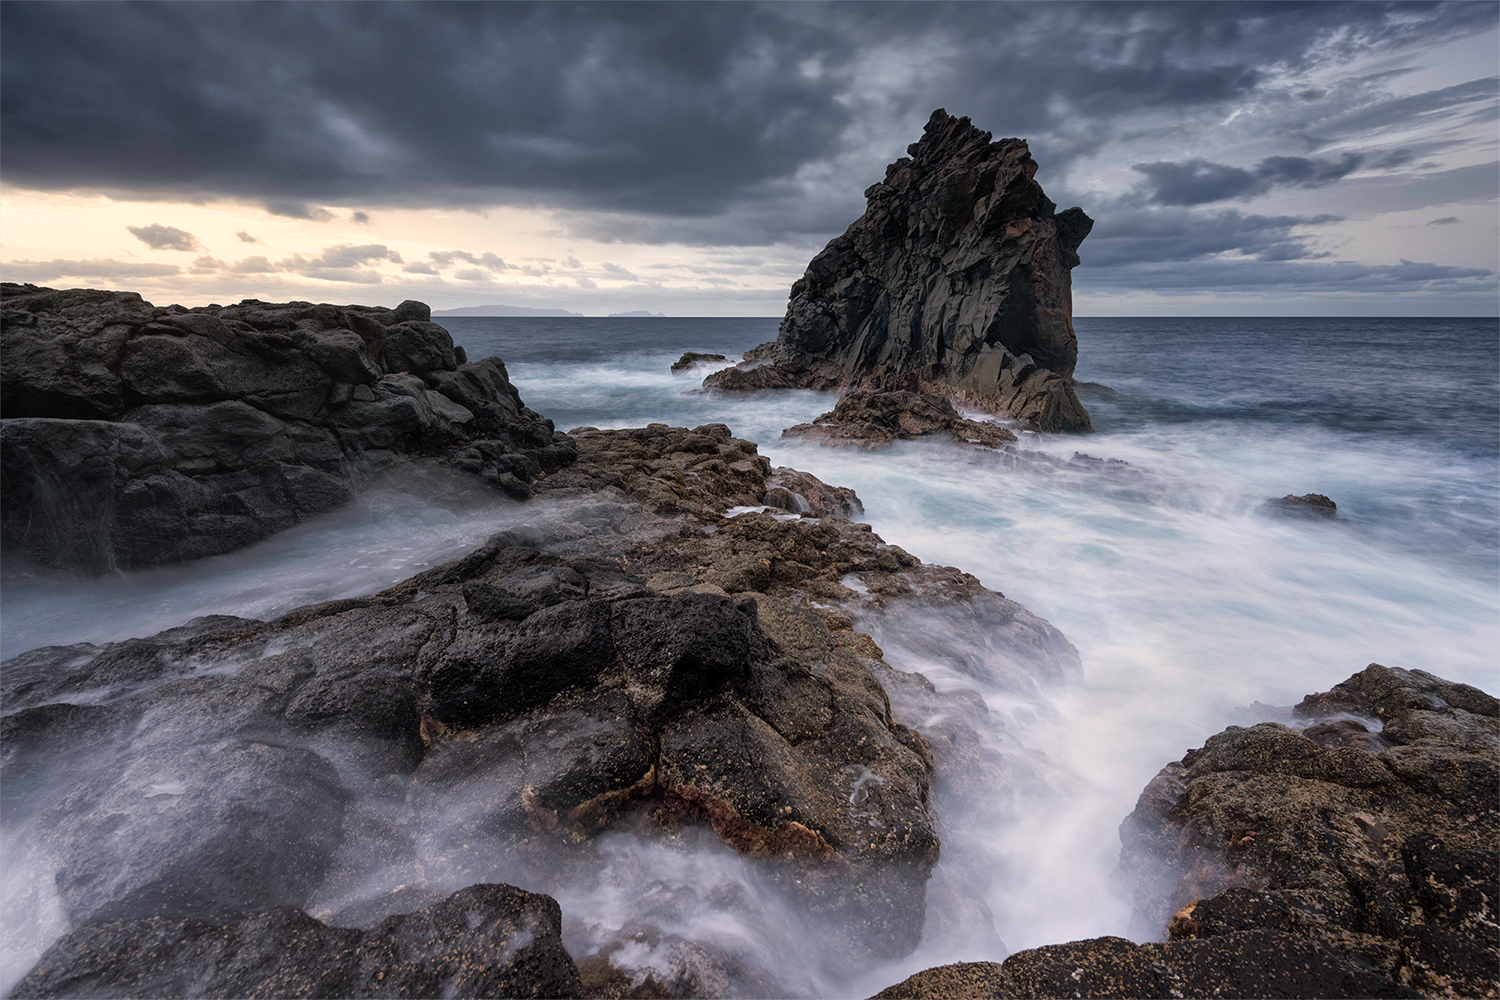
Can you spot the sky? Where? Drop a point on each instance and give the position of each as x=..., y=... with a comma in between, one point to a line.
x=690, y=158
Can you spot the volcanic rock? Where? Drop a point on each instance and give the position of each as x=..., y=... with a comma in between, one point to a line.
x=632, y=658
x=1349, y=853
x=1314, y=504
x=484, y=941
x=138, y=435
x=691, y=359
x=803, y=493
x=957, y=276
x=871, y=419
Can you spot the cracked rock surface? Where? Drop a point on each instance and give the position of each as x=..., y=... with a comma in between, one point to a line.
x=137, y=435
x=1346, y=850
x=632, y=659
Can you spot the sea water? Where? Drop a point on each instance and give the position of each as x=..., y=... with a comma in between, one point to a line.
x=1147, y=543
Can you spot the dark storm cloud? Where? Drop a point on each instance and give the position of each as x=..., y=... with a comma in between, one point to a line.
x=1172, y=234
x=1198, y=182
x=159, y=237
x=657, y=111
x=1478, y=95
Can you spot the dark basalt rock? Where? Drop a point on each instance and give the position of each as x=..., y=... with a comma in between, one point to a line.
x=957, y=277
x=871, y=419
x=634, y=657
x=1311, y=504
x=1349, y=854
x=691, y=359
x=484, y=941
x=138, y=435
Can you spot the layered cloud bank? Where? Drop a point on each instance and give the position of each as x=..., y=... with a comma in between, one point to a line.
x=611, y=157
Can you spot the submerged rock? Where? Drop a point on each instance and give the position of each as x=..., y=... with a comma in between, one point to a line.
x=1348, y=854
x=958, y=276
x=138, y=435
x=484, y=941
x=876, y=418
x=1313, y=504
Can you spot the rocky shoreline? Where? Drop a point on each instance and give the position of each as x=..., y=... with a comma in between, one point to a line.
x=141, y=435
x=680, y=640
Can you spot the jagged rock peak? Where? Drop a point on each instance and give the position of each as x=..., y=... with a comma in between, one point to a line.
x=957, y=273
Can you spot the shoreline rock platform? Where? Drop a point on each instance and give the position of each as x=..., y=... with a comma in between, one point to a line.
x=141, y=435
x=956, y=278
x=680, y=639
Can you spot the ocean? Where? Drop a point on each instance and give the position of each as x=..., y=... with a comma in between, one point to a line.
x=1147, y=543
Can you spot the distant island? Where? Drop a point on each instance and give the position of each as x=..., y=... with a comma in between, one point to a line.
x=638, y=313
x=504, y=310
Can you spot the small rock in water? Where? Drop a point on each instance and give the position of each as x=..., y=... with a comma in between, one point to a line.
x=1310, y=503
x=692, y=358
x=871, y=419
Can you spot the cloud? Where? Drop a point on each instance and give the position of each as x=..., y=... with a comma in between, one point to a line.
x=1136, y=236
x=159, y=237
x=1404, y=278
x=245, y=237
x=695, y=116
x=1199, y=182
x=293, y=209
x=420, y=267
x=446, y=258
x=253, y=265
x=47, y=270
x=341, y=256
x=207, y=265
x=363, y=218
x=1447, y=220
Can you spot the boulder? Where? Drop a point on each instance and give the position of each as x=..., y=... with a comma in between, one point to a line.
x=872, y=419
x=484, y=941
x=692, y=359
x=1310, y=504
x=957, y=277
x=1347, y=850
x=137, y=435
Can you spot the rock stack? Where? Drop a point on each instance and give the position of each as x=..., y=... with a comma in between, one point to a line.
x=956, y=280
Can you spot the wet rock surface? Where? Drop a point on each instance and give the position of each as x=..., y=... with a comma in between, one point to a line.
x=871, y=419
x=138, y=435
x=484, y=941
x=957, y=276
x=632, y=659
x=692, y=359
x=1346, y=851
x=1308, y=505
